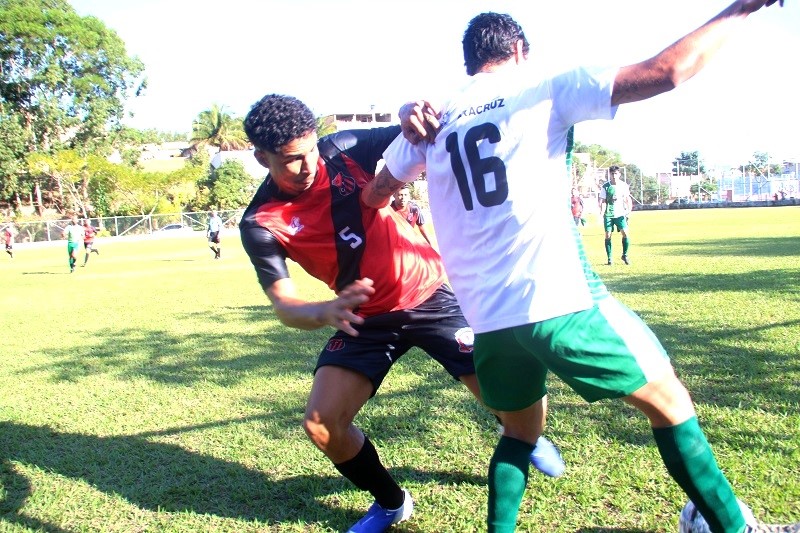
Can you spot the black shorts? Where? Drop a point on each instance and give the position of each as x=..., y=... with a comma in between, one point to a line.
x=213, y=237
x=437, y=326
x=88, y=245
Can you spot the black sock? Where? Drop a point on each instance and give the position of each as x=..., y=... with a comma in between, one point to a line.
x=367, y=473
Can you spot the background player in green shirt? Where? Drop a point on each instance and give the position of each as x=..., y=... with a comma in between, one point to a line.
x=615, y=198
x=74, y=235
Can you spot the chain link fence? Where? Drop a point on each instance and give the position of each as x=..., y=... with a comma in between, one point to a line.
x=52, y=230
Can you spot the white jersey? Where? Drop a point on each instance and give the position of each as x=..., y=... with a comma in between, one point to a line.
x=500, y=197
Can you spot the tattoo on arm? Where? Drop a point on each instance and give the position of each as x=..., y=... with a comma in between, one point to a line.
x=386, y=185
x=379, y=191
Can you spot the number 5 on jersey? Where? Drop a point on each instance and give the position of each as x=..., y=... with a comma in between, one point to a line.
x=346, y=236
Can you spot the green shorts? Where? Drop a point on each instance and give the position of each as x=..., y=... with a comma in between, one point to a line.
x=609, y=223
x=603, y=352
x=72, y=247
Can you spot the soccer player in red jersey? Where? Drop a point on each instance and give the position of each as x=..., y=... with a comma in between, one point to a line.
x=389, y=283
x=89, y=233
x=8, y=239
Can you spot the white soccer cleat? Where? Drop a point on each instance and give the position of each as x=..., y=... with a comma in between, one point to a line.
x=692, y=521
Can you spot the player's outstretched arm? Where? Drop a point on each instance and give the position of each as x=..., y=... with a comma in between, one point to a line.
x=302, y=314
x=684, y=58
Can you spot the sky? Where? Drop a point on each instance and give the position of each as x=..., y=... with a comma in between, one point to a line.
x=349, y=55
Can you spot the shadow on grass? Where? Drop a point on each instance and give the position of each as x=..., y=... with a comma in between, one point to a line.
x=164, y=356
x=271, y=352
x=723, y=374
x=781, y=281
x=730, y=367
x=17, y=489
x=730, y=364
x=164, y=477
x=741, y=247
x=610, y=530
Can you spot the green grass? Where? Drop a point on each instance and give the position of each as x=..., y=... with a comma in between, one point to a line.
x=155, y=390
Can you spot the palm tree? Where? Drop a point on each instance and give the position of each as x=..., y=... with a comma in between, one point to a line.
x=325, y=126
x=215, y=127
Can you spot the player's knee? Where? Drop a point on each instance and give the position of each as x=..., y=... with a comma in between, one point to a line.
x=665, y=402
x=324, y=427
x=317, y=432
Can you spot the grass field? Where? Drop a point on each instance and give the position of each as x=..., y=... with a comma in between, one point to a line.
x=154, y=390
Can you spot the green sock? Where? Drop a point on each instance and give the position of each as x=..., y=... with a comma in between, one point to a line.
x=608, y=249
x=508, y=475
x=691, y=463
x=624, y=246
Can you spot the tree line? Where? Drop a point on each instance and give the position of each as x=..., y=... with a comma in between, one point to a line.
x=64, y=82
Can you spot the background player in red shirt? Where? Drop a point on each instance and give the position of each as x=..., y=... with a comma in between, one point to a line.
x=8, y=239
x=410, y=211
x=389, y=283
x=89, y=233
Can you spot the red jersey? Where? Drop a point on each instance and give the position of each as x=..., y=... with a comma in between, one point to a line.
x=577, y=206
x=88, y=233
x=411, y=213
x=334, y=237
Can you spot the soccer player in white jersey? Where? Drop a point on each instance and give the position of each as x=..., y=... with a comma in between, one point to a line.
x=495, y=171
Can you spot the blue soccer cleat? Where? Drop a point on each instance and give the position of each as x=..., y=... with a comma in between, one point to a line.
x=546, y=458
x=378, y=519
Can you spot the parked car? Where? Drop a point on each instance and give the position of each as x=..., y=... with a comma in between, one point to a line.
x=680, y=201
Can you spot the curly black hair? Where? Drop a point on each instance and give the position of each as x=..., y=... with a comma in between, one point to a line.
x=491, y=38
x=277, y=120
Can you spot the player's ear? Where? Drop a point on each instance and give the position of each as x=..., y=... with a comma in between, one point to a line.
x=261, y=157
x=519, y=52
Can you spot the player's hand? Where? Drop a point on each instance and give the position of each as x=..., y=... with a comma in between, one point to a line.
x=751, y=6
x=419, y=121
x=339, y=313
